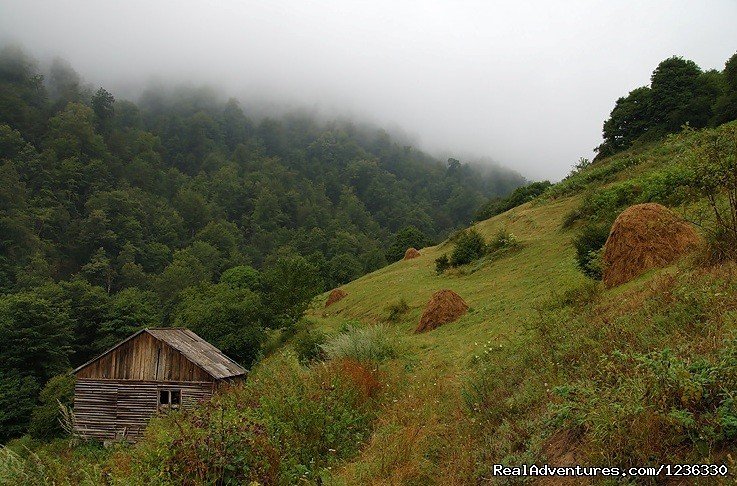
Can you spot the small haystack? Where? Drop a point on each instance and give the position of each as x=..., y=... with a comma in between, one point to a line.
x=444, y=306
x=335, y=296
x=411, y=253
x=643, y=237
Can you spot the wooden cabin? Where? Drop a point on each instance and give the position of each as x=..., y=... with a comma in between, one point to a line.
x=151, y=371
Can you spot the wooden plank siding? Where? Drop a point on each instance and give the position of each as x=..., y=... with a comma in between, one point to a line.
x=119, y=409
x=144, y=358
x=118, y=392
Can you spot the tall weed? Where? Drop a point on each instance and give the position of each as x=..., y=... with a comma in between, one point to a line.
x=363, y=344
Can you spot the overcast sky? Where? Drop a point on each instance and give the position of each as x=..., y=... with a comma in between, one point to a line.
x=525, y=83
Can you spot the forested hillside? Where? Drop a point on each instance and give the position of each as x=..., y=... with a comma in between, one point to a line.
x=181, y=209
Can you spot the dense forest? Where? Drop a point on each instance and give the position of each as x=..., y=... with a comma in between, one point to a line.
x=182, y=210
x=680, y=93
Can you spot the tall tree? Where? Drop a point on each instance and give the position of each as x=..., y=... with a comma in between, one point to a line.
x=673, y=83
x=103, y=105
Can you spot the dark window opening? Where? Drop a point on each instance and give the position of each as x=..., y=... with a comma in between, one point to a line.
x=170, y=399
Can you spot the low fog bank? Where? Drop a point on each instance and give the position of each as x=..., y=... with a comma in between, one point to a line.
x=526, y=84
x=154, y=93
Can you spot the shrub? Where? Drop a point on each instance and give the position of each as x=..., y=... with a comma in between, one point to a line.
x=608, y=202
x=367, y=344
x=713, y=161
x=396, y=310
x=469, y=247
x=321, y=419
x=442, y=263
x=285, y=425
x=503, y=240
x=718, y=249
x=213, y=445
x=45, y=419
x=589, y=245
x=644, y=405
x=364, y=379
x=308, y=345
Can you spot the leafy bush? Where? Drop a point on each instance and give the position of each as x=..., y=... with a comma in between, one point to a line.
x=667, y=185
x=660, y=402
x=396, y=310
x=608, y=202
x=45, y=417
x=323, y=418
x=442, y=263
x=470, y=246
x=589, y=243
x=503, y=240
x=308, y=345
x=604, y=171
x=286, y=425
x=639, y=378
x=713, y=161
x=213, y=444
x=364, y=344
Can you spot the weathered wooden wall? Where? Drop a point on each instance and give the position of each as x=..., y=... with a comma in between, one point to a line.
x=144, y=358
x=116, y=409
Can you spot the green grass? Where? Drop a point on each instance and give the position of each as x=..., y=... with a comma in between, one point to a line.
x=503, y=297
x=523, y=369
x=499, y=343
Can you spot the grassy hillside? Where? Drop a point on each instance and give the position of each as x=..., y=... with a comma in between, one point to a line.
x=547, y=365
x=536, y=323
x=502, y=295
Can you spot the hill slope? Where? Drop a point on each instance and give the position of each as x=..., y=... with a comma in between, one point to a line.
x=502, y=296
x=546, y=367
x=516, y=380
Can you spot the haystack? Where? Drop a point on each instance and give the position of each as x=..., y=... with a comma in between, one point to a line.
x=411, y=253
x=444, y=306
x=643, y=237
x=335, y=296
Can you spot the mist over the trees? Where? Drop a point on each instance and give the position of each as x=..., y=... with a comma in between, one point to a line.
x=525, y=84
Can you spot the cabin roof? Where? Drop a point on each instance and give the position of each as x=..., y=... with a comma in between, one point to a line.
x=193, y=347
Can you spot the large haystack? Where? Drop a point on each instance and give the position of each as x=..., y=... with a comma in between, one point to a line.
x=444, y=306
x=645, y=236
x=335, y=296
x=411, y=253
